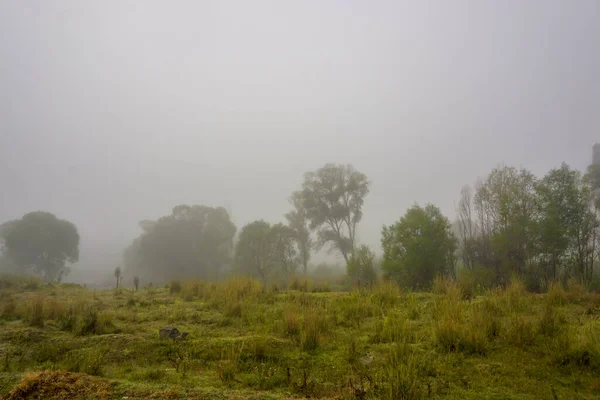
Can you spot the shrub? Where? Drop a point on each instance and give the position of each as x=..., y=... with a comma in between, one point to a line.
x=91, y=322
x=360, y=267
x=298, y=284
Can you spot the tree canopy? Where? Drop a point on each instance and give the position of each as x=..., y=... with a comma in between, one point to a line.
x=298, y=222
x=266, y=251
x=193, y=241
x=360, y=266
x=41, y=243
x=542, y=229
x=418, y=247
x=333, y=197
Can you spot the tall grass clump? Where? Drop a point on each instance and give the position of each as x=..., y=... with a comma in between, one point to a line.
x=579, y=348
x=233, y=309
x=88, y=362
x=9, y=309
x=407, y=374
x=519, y=331
x=387, y=293
x=575, y=291
x=515, y=295
x=90, y=322
x=291, y=323
x=467, y=283
x=241, y=288
x=299, y=284
x=22, y=282
x=393, y=328
x=453, y=331
x=35, y=314
x=313, y=327
x=486, y=320
x=551, y=322
x=355, y=308
x=440, y=284
x=556, y=295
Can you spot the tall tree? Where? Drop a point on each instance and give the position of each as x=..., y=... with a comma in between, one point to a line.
x=467, y=228
x=194, y=241
x=265, y=251
x=418, y=247
x=333, y=197
x=557, y=199
x=506, y=206
x=43, y=243
x=298, y=223
x=360, y=267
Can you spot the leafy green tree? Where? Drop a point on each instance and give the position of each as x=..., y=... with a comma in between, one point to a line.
x=298, y=223
x=361, y=268
x=558, y=194
x=266, y=251
x=333, y=198
x=506, y=207
x=42, y=243
x=194, y=241
x=418, y=247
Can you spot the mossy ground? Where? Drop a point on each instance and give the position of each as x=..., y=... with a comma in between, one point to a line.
x=248, y=343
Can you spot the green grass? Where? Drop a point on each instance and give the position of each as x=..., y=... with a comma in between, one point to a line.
x=248, y=343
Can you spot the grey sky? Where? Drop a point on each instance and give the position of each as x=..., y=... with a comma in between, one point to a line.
x=115, y=111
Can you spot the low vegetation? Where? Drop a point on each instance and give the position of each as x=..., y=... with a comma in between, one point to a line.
x=60, y=341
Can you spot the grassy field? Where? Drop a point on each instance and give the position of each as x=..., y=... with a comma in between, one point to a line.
x=69, y=342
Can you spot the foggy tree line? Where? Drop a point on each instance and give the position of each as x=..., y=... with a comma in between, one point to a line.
x=510, y=222
x=199, y=241
x=543, y=229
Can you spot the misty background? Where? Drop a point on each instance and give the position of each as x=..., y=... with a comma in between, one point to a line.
x=115, y=111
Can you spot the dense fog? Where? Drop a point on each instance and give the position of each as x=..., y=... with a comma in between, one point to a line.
x=114, y=112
